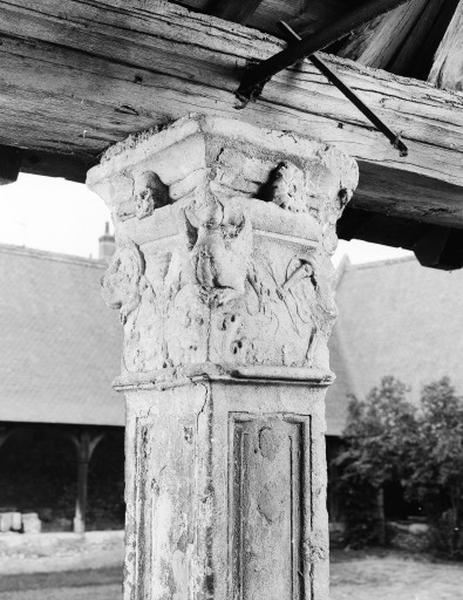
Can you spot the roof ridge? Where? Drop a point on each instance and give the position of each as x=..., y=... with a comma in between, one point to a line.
x=48, y=255
x=383, y=262
x=343, y=266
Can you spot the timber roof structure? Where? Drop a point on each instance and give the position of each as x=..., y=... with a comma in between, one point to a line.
x=61, y=345
x=80, y=75
x=403, y=41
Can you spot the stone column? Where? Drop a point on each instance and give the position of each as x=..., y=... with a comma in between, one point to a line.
x=222, y=278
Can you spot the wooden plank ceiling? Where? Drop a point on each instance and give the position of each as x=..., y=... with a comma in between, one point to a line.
x=79, y=75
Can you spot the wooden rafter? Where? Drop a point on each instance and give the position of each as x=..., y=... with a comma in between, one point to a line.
x=376, y=43
x=110, y=68
x=402, y=41
x=447, y=70
x=255, y=77
x=415, y=56
x=306, y=16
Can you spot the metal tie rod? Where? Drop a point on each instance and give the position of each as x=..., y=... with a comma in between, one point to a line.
x=352, y=96
x=257, y=76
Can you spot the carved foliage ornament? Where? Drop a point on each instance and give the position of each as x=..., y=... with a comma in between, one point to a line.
x=286, y=188
x=217, y=297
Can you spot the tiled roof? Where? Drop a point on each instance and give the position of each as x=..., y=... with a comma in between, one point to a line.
x=59, y=344
x=337, y=398
x=395, y=318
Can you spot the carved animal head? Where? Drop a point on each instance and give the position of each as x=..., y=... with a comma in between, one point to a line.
x=150, y=193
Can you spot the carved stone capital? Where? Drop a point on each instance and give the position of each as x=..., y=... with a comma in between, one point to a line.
x=225, y=236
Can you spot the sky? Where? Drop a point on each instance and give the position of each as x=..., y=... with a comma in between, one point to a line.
x=61, y=216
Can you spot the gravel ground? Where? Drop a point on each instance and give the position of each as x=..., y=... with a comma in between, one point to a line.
x=102, y=584
x=394, y=577
x=94, y=592
x=353, y=577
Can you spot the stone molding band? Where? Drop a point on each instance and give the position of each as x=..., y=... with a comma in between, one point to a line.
x=211, y=373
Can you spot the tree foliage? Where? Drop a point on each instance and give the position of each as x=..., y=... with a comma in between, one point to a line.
x=436, y=478
x=390, y=440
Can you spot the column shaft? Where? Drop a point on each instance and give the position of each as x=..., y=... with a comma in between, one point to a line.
x=222, y=278
x=226, y=492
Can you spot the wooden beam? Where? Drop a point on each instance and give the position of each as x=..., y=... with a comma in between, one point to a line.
x=376, y=43
x=447, y=69
x=435, y=246
x=68, y=166
x=77, y=80
x=440, y=248
x=378, y=228
x=10, y=164
x=409, y=195
x=233, y=11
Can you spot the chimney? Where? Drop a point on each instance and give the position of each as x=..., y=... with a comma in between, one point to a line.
x=107, y=244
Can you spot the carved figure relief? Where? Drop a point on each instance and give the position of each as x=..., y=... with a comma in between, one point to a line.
x=143, y=332
x=150, y=193
x=120, y=283
x=220, y=245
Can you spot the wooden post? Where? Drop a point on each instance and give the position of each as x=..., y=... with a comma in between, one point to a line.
x=81, y=499
x=85, y=444
x=10, y=164
x=223, y=280
x=6, y=432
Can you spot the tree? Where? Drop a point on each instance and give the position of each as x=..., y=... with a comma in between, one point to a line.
x=436, y=477
x=389, y=440
x=379, y=434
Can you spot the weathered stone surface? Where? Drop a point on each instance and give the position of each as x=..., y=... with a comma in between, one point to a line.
x=223, y=282
x=235, y=270
x=226, y=492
